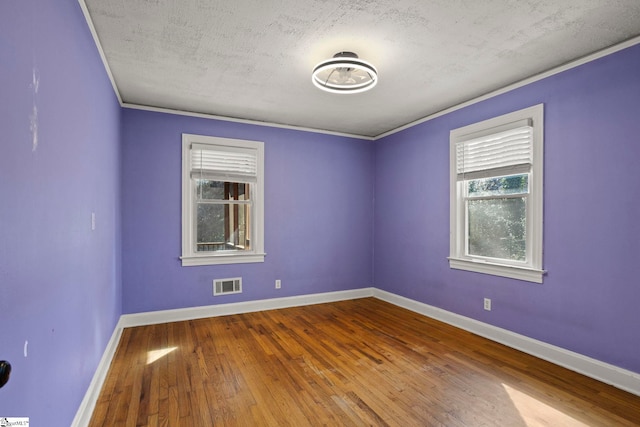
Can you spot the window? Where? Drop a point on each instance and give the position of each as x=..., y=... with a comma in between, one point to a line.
x=496, y=196
x=222, y=200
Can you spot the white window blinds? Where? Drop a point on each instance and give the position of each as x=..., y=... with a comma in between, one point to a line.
x=503, y=152
x=221, y=163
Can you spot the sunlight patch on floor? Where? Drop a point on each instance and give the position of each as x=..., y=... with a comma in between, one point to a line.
x=536, y=413
x=154, y=355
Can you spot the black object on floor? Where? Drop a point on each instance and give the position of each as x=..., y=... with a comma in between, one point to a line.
x=5, y=371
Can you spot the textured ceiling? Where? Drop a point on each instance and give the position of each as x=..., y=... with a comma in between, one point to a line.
x=253, y=59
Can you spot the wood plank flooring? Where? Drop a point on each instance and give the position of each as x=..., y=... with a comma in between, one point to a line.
x=350, y=363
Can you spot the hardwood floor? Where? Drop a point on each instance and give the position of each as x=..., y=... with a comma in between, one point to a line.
x=350, y=363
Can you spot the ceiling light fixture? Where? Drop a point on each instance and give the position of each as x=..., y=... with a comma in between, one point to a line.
x=345, y=73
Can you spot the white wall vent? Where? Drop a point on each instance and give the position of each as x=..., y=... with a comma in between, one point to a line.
x=227, y=286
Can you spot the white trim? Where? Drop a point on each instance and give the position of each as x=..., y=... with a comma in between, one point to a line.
x=191, y=258
x=103, y=57
x=557, y=70
x=621, y=378
x=502, y=270
x=180, y=314
x=531, y=270
x=88, y=404
x=190, y=261
x=244, y=121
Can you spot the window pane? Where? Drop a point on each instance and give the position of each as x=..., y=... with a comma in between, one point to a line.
x=498, y=186
x=222, y=227
x=210, y=190
x=221, y=190
x=497, y=228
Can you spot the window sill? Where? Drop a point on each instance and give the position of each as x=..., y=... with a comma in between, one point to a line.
x=192, y=260
x=511, y=271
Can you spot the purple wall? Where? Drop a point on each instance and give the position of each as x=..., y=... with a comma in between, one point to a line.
x=59, y=281
x=588, y=302
x=318, y=214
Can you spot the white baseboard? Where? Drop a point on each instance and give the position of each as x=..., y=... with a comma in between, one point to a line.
x=165, y=316
x=609, y=374
x=88, y=404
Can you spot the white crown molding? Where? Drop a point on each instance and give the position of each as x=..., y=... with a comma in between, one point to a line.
x=617, y=377
x=621, y=378
x=103, y=57
x=557, y=70
x=244, y=121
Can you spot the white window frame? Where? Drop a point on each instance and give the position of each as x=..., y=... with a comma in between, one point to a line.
x=190, y=256
x=531, y=269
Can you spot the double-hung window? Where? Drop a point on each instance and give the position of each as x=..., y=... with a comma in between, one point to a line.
x=496, y=196
x=222, y=200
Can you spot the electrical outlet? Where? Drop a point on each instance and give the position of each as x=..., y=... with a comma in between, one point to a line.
x=278, y=284
x=487, y=304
